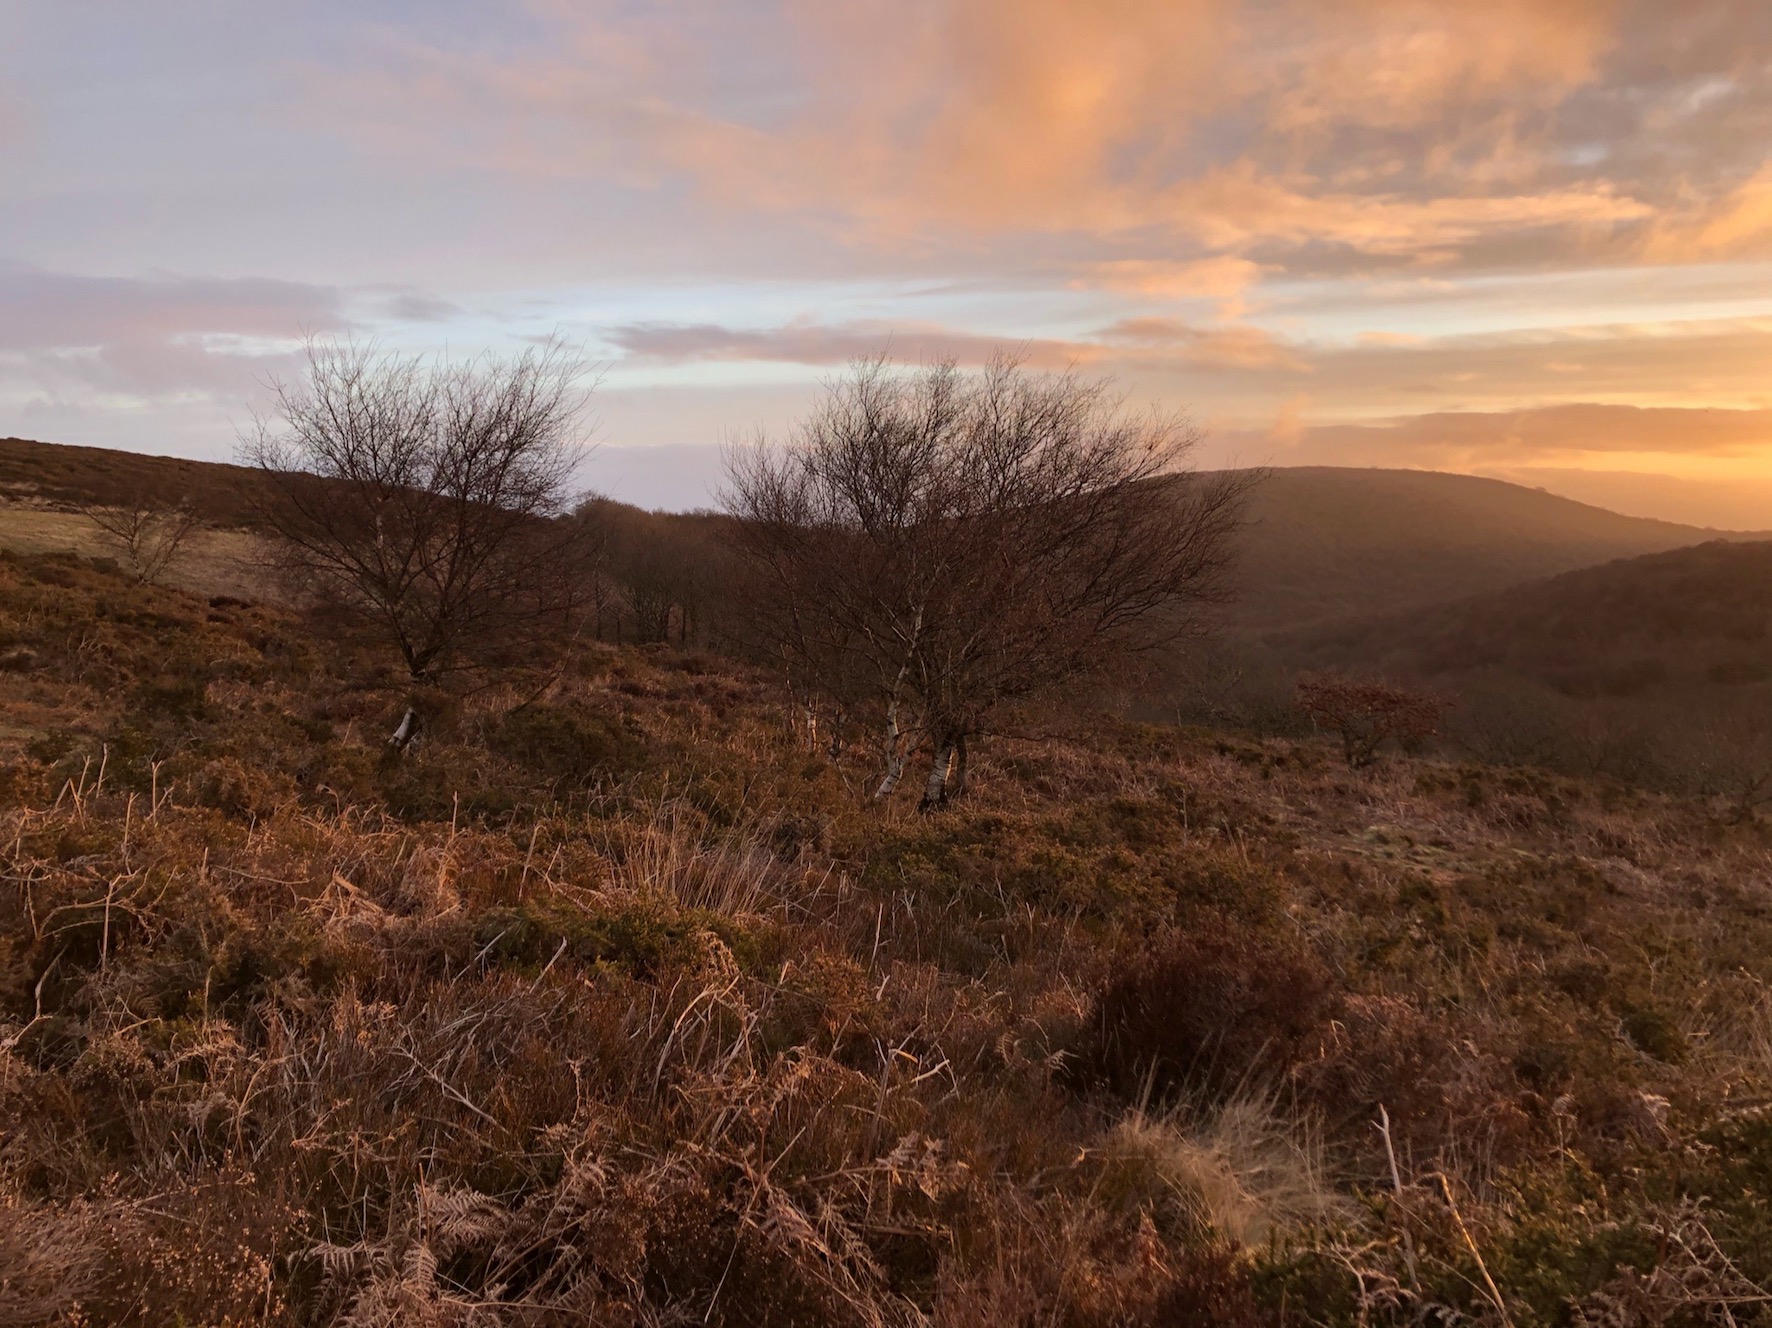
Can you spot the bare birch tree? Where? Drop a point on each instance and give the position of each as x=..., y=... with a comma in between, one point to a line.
x=146, y=535
x=940, y=545
x=427, y=501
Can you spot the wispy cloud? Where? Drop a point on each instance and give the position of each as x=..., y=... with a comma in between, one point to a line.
x=43, y=310
x=198, y=346
x=819, y=344
x=64, y=333
x=1569, y=435
x=813, y=343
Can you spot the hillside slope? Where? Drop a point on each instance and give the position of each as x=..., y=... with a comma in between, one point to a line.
x=1328, y=542
x=62, y=475
x=1323, y=543
x=1686, y=618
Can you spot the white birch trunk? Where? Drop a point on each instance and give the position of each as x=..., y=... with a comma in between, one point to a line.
x=403, y=734
x=956, y=783
x=895, y=755
x=934, y=790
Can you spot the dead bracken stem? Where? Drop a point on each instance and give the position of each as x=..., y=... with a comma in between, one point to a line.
x=1390, y=1153
x=1470, y=1241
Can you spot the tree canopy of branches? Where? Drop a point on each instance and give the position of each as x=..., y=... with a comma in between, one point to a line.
x=146, y=534
x=426, y=500
x=934, y=546
x=1368, y=713
x=666, y=574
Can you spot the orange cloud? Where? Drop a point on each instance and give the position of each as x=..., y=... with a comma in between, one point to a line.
x=1737, y=225
x=1577, y=429
x=985, y=115
x=1217, y=347
x=1225, y=279
x=1238, y=207
x=1393, y=63
x=1046, y=115
x=1723, y=503
x=1702, y=466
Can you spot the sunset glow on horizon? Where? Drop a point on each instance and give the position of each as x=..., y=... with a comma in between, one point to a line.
x=1528, y=238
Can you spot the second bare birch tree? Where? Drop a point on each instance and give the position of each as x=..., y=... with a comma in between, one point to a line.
x=935, y=546
x=425, y=503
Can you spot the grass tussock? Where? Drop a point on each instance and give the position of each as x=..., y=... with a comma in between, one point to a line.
x=1239, y=1171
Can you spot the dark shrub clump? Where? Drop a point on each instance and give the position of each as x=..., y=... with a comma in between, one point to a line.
x=1208, y=1007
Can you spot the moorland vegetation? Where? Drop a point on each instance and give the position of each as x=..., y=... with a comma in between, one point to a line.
x=616, y=992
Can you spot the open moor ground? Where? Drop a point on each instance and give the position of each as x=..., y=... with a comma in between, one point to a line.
x=621, y=1006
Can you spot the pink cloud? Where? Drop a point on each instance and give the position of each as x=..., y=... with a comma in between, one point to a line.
x=1148, y=340
x=813, y=343
x=41, y=310
x=1233, y=347
x=64, y=336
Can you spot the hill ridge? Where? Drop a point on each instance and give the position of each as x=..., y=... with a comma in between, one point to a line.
x=1324, y=543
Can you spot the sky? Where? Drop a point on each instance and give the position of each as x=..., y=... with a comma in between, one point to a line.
x=1522, y=238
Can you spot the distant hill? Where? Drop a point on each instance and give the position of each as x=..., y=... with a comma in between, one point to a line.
x=1689, y=619
x=63, y=475
x=1332, y=543
x=1324, y=544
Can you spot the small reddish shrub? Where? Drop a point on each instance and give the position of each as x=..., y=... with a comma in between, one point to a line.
x=1208, y=1007
x=1367, y=714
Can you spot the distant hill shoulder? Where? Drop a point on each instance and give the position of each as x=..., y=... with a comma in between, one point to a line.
x=1324, y=544
x=63, y=475
x=1333, y=543
x=1697, y=617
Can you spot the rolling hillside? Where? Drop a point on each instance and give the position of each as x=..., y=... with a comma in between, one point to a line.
x=621, y=1001
x=59, y=475
x=619, y=1006
x=1693, y=617
x=1324, y=544
x=1328, y=543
